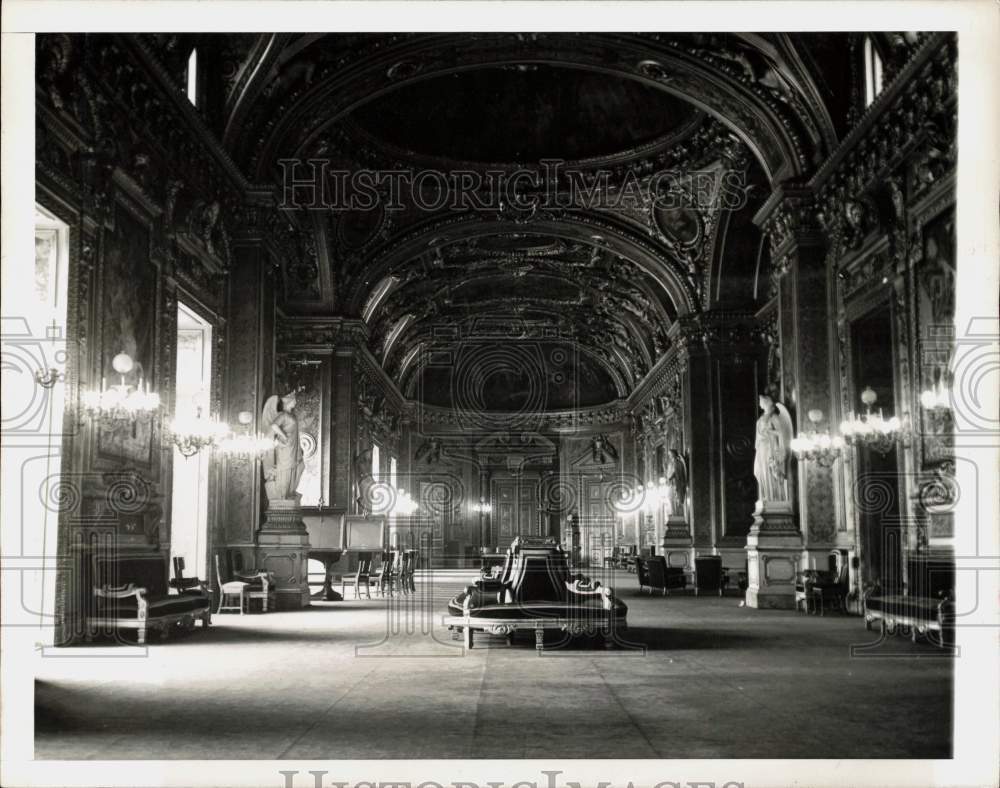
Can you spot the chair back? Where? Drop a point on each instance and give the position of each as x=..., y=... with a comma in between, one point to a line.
x=840, y=566
x=538, y=573
x=708, y=571
x=218, y=572
x=364, y=565
x=641, y=571
x=656, y=571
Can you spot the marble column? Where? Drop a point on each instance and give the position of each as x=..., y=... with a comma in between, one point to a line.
x=249, y=381
x=782, y=534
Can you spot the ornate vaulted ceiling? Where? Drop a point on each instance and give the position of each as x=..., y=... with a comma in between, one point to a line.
x=594, y=277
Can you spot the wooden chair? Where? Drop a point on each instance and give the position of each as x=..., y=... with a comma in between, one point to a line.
x=396, y=571
x=363, y=577
x=256, y=584
x=409, y=564
x=383, y=578
x=231, y=588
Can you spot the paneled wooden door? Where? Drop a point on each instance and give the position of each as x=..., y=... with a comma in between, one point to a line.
x=597, y=525
x=517, y=509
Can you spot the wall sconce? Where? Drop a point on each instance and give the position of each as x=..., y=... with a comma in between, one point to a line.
x=47, y=378
x=817, y=446
x=403, y=505
x=120, y=403
x=871, y=429
x=937, y=398
x=191, y=435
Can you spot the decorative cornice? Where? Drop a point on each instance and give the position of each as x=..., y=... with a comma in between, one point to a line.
x=884, y=103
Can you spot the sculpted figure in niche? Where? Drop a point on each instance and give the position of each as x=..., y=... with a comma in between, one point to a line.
x=283, y=466
x=602, y=450
x=677, y=482
x=771, y=460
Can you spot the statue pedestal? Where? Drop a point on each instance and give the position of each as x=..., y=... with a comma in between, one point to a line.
x=283, y=548
x=677, y=544
x=774, y=547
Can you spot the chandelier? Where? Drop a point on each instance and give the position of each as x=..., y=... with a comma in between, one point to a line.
x=483, y=507
x=872, y=430
x=245, y=444
x=191, y=434
x=121, y=402
x=818, y=446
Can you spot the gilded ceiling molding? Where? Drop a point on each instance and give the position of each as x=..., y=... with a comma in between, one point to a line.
x=770, y=117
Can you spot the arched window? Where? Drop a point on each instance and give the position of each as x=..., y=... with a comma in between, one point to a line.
x=873, y=71
x=192, y=77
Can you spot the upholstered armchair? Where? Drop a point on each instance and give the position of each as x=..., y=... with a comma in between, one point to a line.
x=654, y=573
x=708, y=574
x=831, y=587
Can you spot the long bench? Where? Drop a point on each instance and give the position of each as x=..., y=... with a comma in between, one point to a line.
x=536, y=592
x=926, y=606
x=132, y=591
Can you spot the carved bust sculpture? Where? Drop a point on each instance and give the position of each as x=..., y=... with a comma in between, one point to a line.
x=283, y=466
x=770, y=465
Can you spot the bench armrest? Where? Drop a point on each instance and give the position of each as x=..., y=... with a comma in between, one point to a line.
x=582, y=588
x=123, y=592
x=187, y=583
x=265, y=576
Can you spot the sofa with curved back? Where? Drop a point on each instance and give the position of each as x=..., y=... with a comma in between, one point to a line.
x=535, y=591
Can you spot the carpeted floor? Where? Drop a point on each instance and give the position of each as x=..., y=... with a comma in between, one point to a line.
x=360, y=679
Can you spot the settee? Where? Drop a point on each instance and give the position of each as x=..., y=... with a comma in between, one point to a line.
x=132, y=591
x=536, y=592
x=925, y=607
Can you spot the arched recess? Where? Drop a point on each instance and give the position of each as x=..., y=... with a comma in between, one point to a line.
x=783, y=141
x=586, y=228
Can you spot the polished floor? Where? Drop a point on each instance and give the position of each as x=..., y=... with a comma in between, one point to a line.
x=360, y=680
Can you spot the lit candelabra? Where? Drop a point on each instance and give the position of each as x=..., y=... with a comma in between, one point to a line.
x=121, y=402
x=816, y=445
x=871, y=429
x=482, y=507
x=247, y=443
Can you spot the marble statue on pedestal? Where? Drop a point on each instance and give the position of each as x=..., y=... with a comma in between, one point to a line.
x=284, y=465
x=283, y=541
x=677, y=483
x=772, y=446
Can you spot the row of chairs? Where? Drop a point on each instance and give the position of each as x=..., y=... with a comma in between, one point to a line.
x=395, y=574
x=622, y=557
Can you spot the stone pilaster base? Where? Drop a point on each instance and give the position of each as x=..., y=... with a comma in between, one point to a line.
x=283, y=548
x=774, y=548
x=677, y=545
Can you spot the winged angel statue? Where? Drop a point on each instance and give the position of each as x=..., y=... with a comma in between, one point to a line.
x=771, y=461
x=284, y=465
